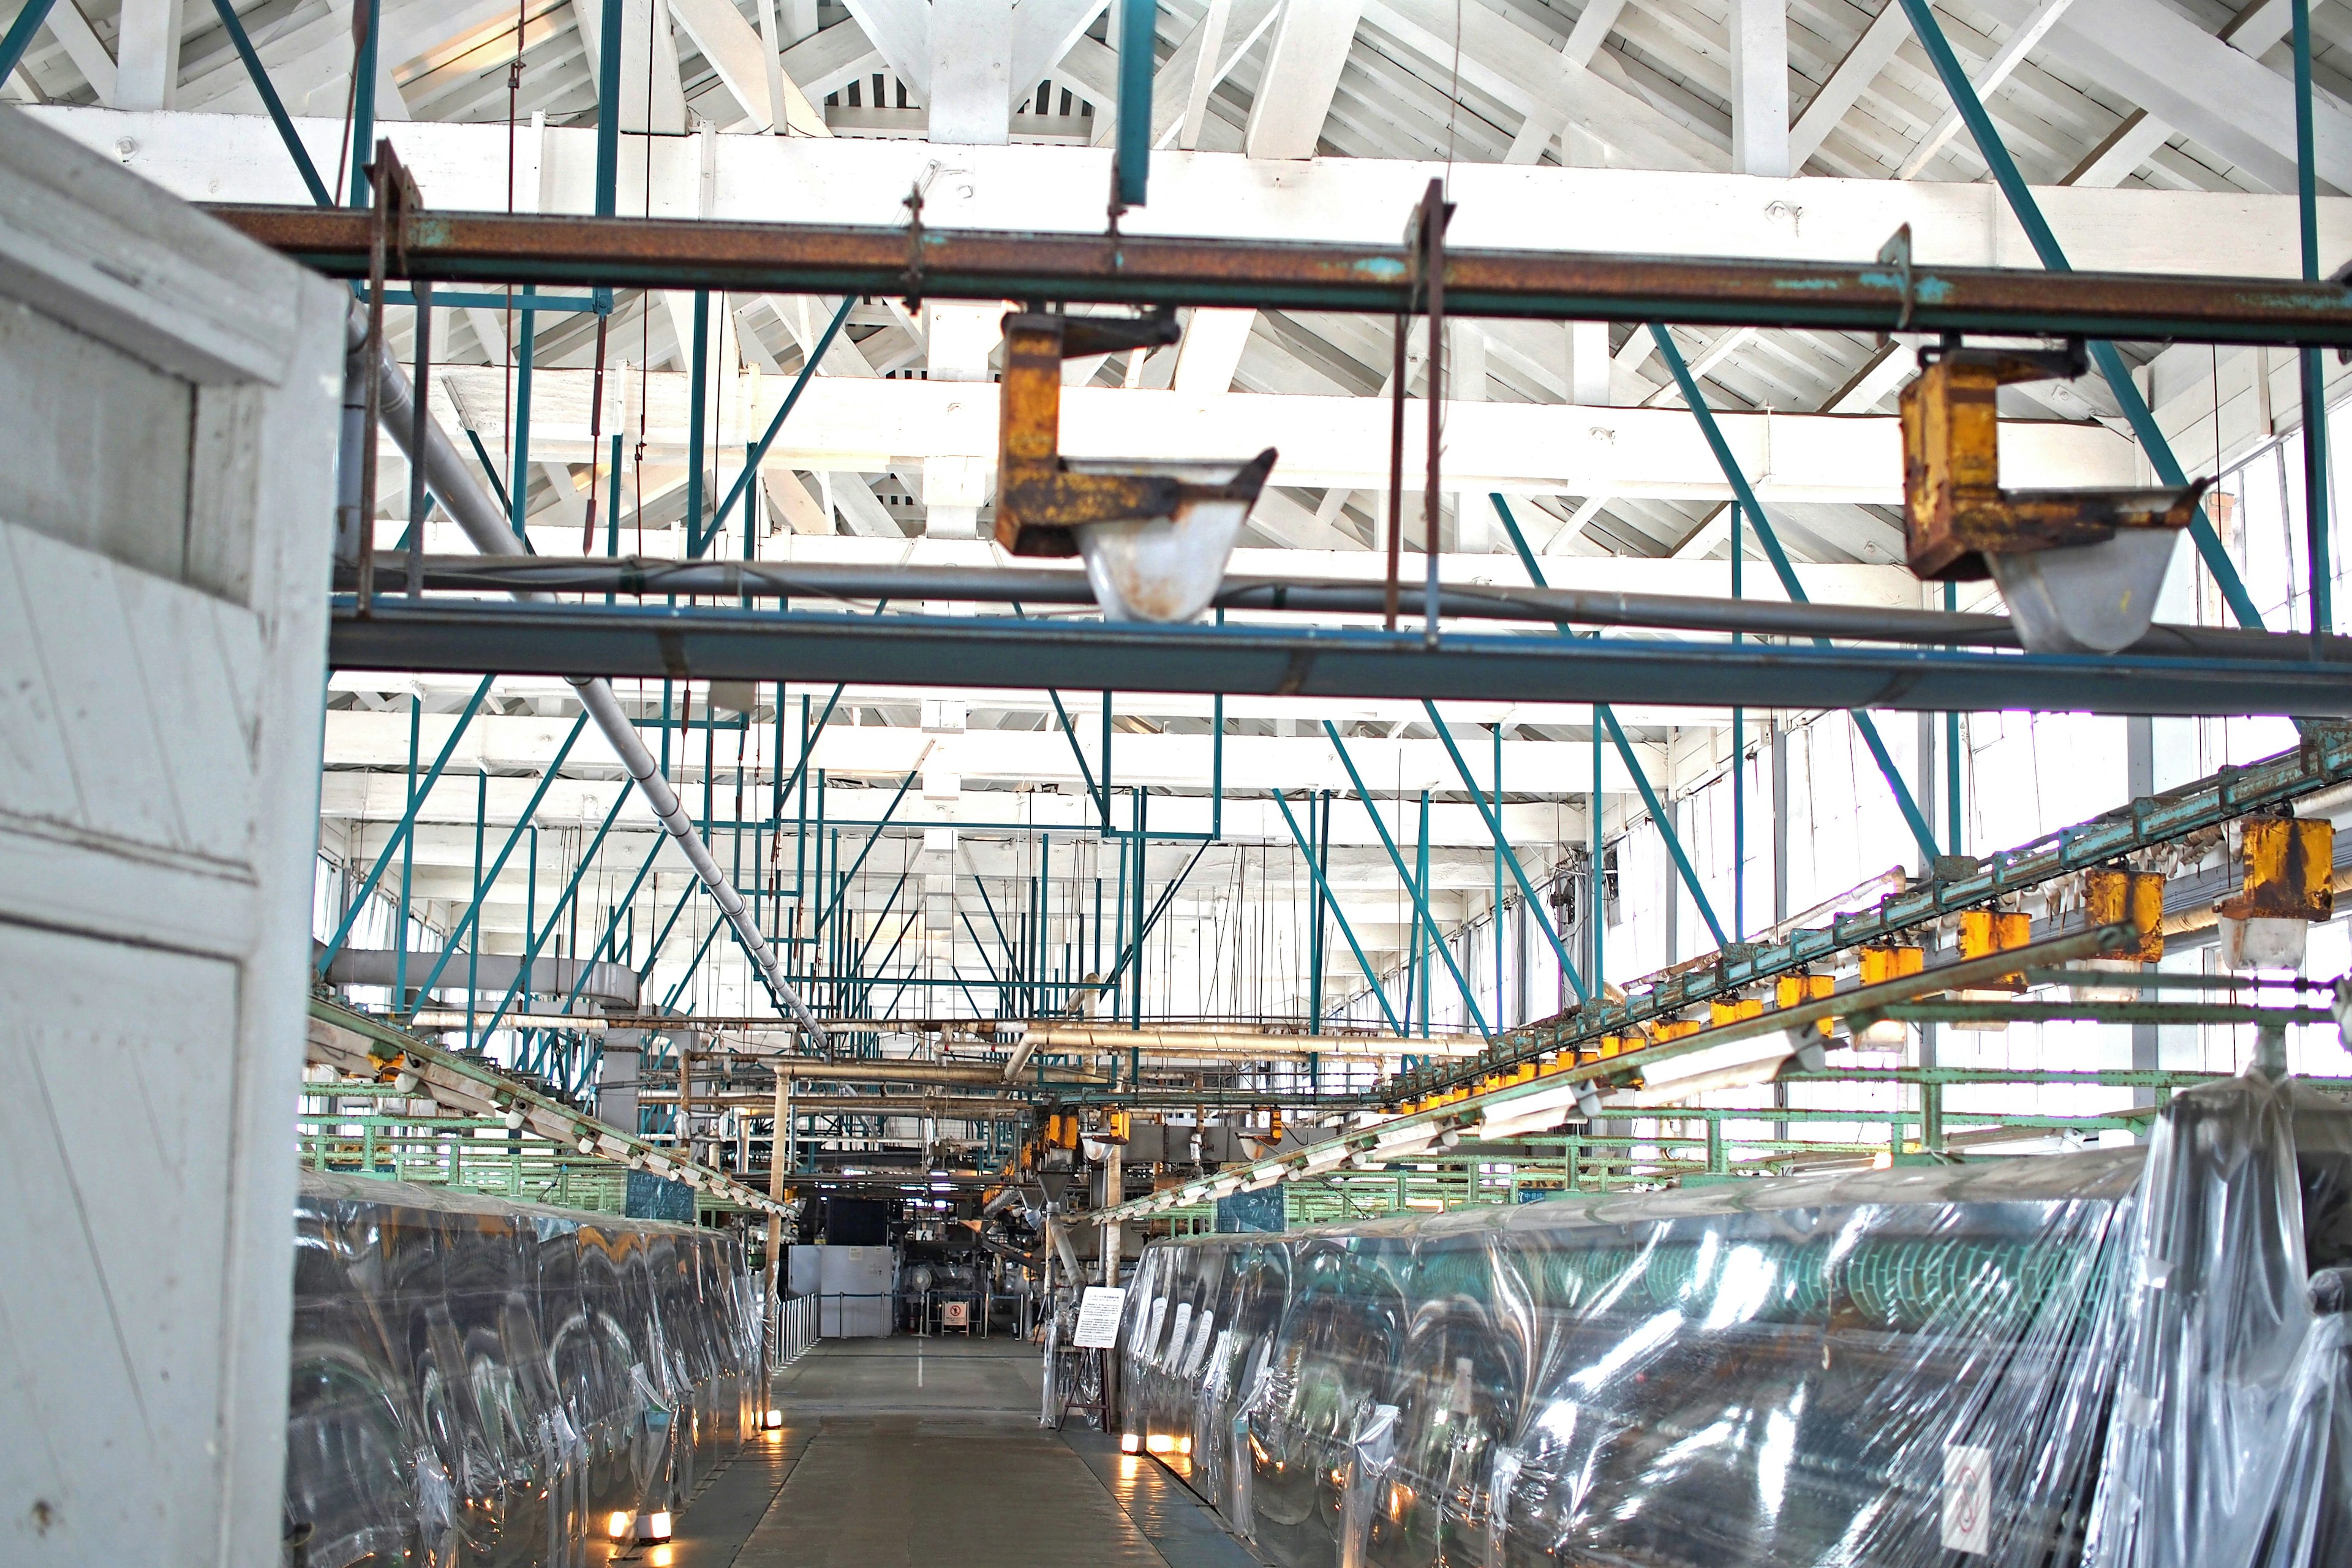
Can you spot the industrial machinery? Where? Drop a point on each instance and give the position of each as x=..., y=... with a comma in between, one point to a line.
x=480, y=1381
x=2004, y=1359
x=1155, y=535
x=2080, y=569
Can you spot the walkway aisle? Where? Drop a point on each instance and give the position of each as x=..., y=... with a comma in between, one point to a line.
x=928, y=1452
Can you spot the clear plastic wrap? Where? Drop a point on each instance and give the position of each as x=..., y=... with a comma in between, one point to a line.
x=479, y=1381
x=2231, y=1444
x=1920, y=1365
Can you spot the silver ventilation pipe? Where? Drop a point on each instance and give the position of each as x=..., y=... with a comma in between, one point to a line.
x=446, y=475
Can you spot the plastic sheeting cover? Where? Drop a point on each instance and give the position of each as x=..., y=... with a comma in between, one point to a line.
x=1912, y=1367
x=475, y=1381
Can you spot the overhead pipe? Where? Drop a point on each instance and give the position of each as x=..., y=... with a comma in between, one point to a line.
x=1119, y=268
x=1316, y=596
x=486, y=525
x=978, y=1107
x=1242, y=1043
x=903, y=1071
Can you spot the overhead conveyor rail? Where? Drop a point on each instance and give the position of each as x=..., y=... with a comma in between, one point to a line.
x=1131, y=269
x=701, y=642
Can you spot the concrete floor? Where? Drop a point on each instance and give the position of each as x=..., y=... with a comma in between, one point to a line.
x=904, y=1452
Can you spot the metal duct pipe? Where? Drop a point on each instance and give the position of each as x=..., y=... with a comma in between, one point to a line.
x=897, y=1071
x=614, y=984
x=484, y=523
x=1020, y=1057
x=961, y=1106
x=1242, y=1043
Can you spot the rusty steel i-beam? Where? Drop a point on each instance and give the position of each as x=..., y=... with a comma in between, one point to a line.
x=809, y=258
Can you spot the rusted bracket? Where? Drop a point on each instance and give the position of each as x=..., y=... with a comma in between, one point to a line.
x=396, y=203
x=913, y=284
x=1955, y=512
x=1435, y=213
x=1039, y=500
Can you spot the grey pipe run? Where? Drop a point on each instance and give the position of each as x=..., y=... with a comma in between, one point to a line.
x=952, y=1106
x=615, y=984
x=526, y=576
x=486, y=525
x=901, y=1072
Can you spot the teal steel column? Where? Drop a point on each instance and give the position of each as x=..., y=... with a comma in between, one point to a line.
x=1608, y=717
x=1765, y=536
x=2045, y=246
x=1505, y=854
x=473, y=948
x=1605, y=717
x=871, y=839
x=1954, y=839
x=613, y=506
x=1119, y=933
x=1319, y=814
x=570, y=891
x=530, y=899
x=1421, y=945
x=518, y=497
x=1738, y=771
x=1132, y=162
x=364, y=74
x=2314, y=373
x=1142, y=861
x=1419, y=904
x=407, y=864
x=469, y=923
x=1500, y=1021
x=697, y=382
x=1597, y=919
x=888, y=904
x=608, y=119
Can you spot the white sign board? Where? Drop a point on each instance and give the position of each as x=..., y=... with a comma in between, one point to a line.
x=1967, y=1498
x=1098, y=1313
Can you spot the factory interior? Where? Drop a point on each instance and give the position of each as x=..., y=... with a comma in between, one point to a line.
x=1329, y=784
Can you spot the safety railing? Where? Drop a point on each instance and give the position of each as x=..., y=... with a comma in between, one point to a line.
x=793, y=1330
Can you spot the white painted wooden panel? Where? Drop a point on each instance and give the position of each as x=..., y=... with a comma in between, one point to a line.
x=161, y=666
x=112, y=1094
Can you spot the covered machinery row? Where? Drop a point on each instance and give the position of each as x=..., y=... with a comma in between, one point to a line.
x=2125, y=1357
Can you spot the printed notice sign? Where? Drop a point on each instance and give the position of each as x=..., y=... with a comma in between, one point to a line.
x=1098, y=1313
x=1967, y=1498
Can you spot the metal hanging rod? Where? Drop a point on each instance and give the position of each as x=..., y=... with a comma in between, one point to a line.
x=1136, y=268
